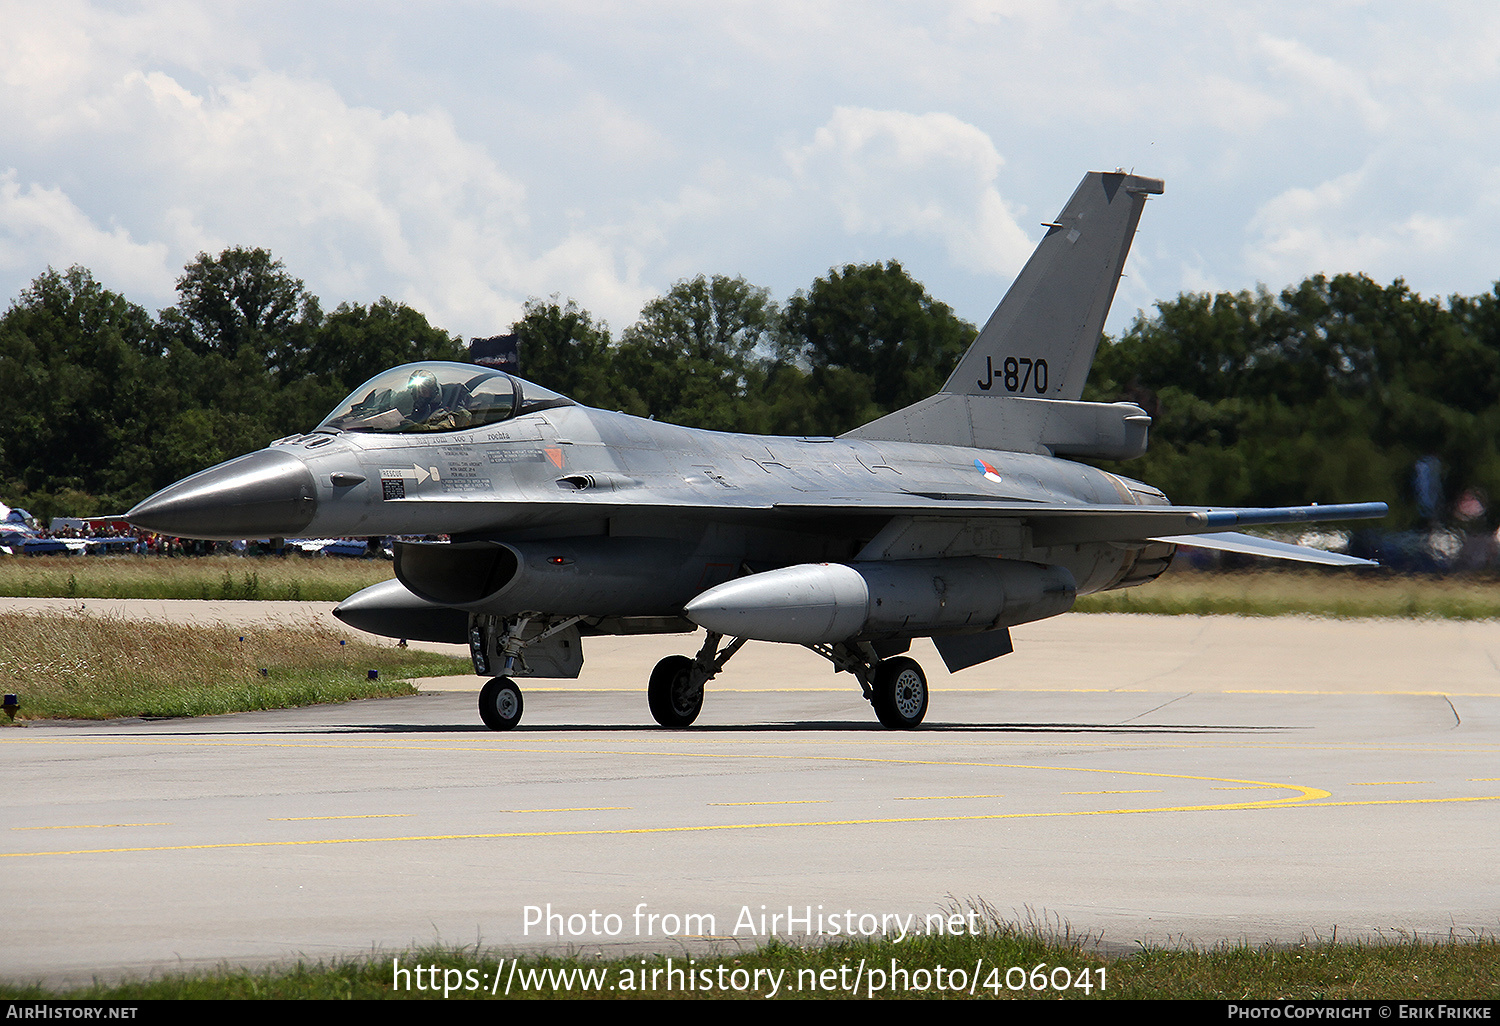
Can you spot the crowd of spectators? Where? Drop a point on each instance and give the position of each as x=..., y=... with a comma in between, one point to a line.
x=116, y=536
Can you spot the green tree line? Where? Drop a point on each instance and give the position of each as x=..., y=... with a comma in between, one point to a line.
x=1329, y=391
x=108, y=404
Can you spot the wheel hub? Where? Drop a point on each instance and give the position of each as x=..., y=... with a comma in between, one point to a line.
x=684, y=695
x=909, y=695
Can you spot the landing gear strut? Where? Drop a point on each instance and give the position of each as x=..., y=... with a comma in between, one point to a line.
x=493, y=640
x=675, y=692
x=896, y=687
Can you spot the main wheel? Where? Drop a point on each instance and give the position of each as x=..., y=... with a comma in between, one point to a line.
x=500, y=703
x=675, y=699
x=900, y=698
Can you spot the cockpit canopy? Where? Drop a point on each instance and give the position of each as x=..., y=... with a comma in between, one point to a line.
x=428, y=397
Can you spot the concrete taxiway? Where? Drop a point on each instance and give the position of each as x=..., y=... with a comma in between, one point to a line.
x=1135, y=778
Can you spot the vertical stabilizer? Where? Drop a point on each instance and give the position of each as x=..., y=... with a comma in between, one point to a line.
x=1040, y=341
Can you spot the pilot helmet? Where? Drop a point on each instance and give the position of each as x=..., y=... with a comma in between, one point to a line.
x=423, y=383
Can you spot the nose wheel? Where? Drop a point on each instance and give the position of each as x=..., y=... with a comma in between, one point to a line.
x=500, y=703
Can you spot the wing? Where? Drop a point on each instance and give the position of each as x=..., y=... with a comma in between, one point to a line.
x=1070, y=525
x=1049, y=525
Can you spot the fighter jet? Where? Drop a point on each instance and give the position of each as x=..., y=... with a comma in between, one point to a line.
x=954, y=519
x=20, y=535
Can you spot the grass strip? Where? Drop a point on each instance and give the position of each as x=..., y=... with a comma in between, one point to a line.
x=1339, y=593
x=290, y=578
x=81, y=666
x=1004, y=962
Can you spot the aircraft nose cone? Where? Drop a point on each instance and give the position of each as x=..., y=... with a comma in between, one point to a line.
x=265, y=494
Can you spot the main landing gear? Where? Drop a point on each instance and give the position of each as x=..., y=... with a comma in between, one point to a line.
x=900, y=693
x=896, y=687
x=675, y=691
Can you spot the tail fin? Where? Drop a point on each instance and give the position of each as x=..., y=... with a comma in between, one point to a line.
x=1039, y=343
x=1050, y=320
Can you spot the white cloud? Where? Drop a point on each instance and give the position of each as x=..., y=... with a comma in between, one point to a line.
x=463, y=157
x=1345, y=224
x=358, y=201
x=41, y=225
x=1325, y=81
x=892, y=173
x=358, y=195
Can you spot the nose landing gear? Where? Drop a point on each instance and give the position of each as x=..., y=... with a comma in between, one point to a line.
x=500, y=704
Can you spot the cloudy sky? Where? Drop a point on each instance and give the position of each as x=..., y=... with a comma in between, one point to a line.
x=464, y=156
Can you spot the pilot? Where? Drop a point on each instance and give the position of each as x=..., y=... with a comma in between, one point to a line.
x=432, y=409
x=426, y=397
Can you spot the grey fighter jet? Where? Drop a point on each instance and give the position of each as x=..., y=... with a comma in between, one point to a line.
x=956, y=518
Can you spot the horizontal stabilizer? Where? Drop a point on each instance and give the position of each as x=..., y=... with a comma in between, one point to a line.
x=1250, y=545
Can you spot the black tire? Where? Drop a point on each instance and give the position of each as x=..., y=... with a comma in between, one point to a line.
x=500, y=703
x=675, y=701
x=900, y=698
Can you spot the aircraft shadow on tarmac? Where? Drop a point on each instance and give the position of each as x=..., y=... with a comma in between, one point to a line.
x=841, y=726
